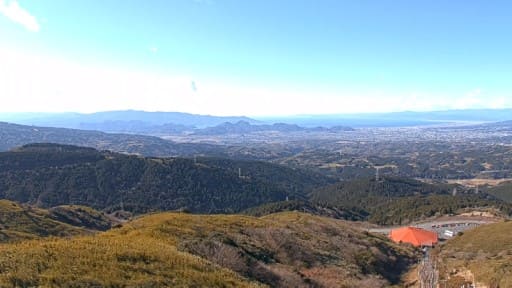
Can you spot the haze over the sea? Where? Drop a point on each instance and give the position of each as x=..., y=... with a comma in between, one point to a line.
x=254, y=58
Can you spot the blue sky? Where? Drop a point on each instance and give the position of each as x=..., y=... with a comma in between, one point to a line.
x=254, y=57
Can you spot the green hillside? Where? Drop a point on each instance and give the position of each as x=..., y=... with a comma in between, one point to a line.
x=49, y=175
x=502, y=191
x=184, y=250
x=397, y=201
x=303, y=206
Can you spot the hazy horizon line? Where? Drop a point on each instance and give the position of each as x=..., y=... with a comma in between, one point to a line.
x=255, y=116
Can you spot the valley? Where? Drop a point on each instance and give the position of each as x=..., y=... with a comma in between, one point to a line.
x=276, y=144
x=267, y=208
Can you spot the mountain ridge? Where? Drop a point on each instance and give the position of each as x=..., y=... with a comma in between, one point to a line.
x=105, y=121
x=51, y=174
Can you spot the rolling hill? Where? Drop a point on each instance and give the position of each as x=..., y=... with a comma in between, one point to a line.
x=306, y=207
x=183, y=250
x=14, y=135
x=49, y=175
x=393, y=201
x=22, y=222
x=502, y=191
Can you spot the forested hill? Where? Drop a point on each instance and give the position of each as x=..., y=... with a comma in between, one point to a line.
x=368, y=191
x=14, y=135
x=399, y=201
x=48, y=175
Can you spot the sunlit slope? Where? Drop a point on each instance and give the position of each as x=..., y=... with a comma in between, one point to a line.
x=485, y=251
x=19, y=222
x=172, y=249
x=108, y=261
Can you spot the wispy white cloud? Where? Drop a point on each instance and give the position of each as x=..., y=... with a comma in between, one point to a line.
x=153, y=49
x=12, y=10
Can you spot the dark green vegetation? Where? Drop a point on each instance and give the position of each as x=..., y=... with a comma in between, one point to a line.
x=21, y=222
x=49, y=175
x=405, y=210
x=400, y=201
x=502, y=191
x=303, y=206
x=183, y=250
x=483, y=254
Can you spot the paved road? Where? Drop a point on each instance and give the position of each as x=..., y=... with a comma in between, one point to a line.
x=440, y=227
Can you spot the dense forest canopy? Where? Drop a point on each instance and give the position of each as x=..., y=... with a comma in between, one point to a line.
x=48, y=175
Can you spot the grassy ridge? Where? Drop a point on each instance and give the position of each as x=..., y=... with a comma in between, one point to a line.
x=22, y=222
x=108, y=261
x=182, y=250
x=485, y=251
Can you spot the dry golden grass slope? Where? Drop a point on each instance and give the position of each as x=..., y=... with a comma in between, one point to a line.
x=22, y=222
x=182, y=250
x=483, y=255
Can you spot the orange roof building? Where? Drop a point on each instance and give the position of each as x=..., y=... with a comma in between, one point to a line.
x=414, y=236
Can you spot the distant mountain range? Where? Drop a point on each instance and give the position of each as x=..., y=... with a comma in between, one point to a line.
x=158, y=123
x=169, y=123
x=129, y=121
x=244, y=127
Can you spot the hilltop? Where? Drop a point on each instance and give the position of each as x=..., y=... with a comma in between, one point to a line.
x=182, y=250
x=22, y=222
x=49, y=175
